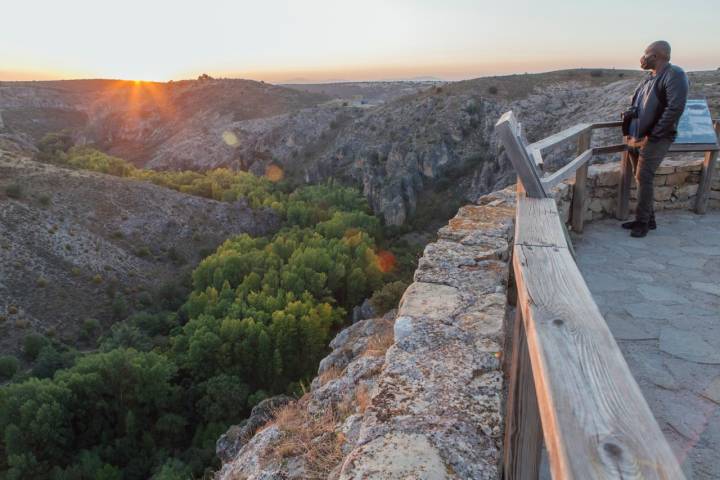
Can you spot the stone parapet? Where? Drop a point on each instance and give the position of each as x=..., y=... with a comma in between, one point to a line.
x=676, y=185
x=437, y=411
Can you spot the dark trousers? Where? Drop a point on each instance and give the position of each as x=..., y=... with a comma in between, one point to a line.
x=645, y=162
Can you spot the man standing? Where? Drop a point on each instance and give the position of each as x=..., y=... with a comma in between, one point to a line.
x=657, y=105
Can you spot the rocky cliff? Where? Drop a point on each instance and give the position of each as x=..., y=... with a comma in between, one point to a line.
x=418, y=393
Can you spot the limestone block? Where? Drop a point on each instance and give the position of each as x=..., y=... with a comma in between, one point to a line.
x=663, y=193
x=683, y=192
x=665, y=168
x=676, y=178
x=678, y=205
x=714, y=194
x=659, y=206
x=693, y=178
x=605, y=175
x=659, y=180
x=605, y=192
x=684, y=165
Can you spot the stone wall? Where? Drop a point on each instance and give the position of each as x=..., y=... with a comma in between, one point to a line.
x=676, y=185
x=437, y=411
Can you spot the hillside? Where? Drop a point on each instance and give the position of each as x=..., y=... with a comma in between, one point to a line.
x=404, y=147
x=72, y=242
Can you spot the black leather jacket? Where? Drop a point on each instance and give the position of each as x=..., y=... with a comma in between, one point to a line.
x=662, y=104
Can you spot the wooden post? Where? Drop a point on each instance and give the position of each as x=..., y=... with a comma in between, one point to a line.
x=577, y=216
x=623, y=195
x=508, y=132
x=706, y=177
x=523, y=432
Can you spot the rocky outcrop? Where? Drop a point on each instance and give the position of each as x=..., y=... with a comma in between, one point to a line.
x=418, y=393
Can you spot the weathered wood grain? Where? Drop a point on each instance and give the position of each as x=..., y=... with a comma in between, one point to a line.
x=541, y=223
x=567, y=170
x=623, y=195
x=694, y=147
x=606, y=125
x=523, y=431
x=706, y=177
x=507, y=130
x=618, y=147
x=557, y=138
x=596, y=423
x=577, y=211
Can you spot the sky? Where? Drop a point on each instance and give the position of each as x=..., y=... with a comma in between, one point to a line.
x=339, y=40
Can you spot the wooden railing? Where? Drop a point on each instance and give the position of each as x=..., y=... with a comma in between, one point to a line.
x=569, y=383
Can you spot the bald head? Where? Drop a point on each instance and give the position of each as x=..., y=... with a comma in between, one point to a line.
x=661, y=48
x=656, y=56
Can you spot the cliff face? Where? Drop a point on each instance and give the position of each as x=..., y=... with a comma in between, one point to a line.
x=418, y=393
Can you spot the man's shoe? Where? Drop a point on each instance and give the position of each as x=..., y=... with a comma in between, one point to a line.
x=630, y=225
x=640, y=229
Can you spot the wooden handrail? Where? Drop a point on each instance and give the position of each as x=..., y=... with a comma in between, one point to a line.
x=595, y=420
x=563, y=136
x=569, y=382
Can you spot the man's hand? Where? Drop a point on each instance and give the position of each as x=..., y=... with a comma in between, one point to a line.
x=637, y=143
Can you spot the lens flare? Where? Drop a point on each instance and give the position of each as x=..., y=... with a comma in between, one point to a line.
x=274, y=173
x=386, y=261
x=229, y=138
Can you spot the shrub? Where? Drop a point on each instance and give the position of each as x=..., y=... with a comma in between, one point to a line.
x=41, y=282
x=32, y=344
x=14, y=190
x=97, y=279
x=44, y=200
x=8, y=366
x=143, y=252
x=89, y=327
x=596, y=73
x=492, y=90
x=387, y=297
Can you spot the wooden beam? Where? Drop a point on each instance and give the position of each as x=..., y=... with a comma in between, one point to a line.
x=523, y=432
x=577, y=212
x=565, y=172
x=537, y=157
x=606, y=125
x=706, y=177
x=694, y=147
x=623, y=195
x=595, y=421
x=618, y=147
x=567, y=134
x=508, y=132
x=545, y=229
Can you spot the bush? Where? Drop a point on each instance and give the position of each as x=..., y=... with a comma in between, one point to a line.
x=492, y=90
x=388, y=297
x=8, y=367
x=44, y=200
x=32, y=344
x=89, y=327
x=14, y=190
x=596, y=73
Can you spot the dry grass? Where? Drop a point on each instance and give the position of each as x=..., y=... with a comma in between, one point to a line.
x=362, y=397
x=379, y=343
x=311, y=437
x=330, y=374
